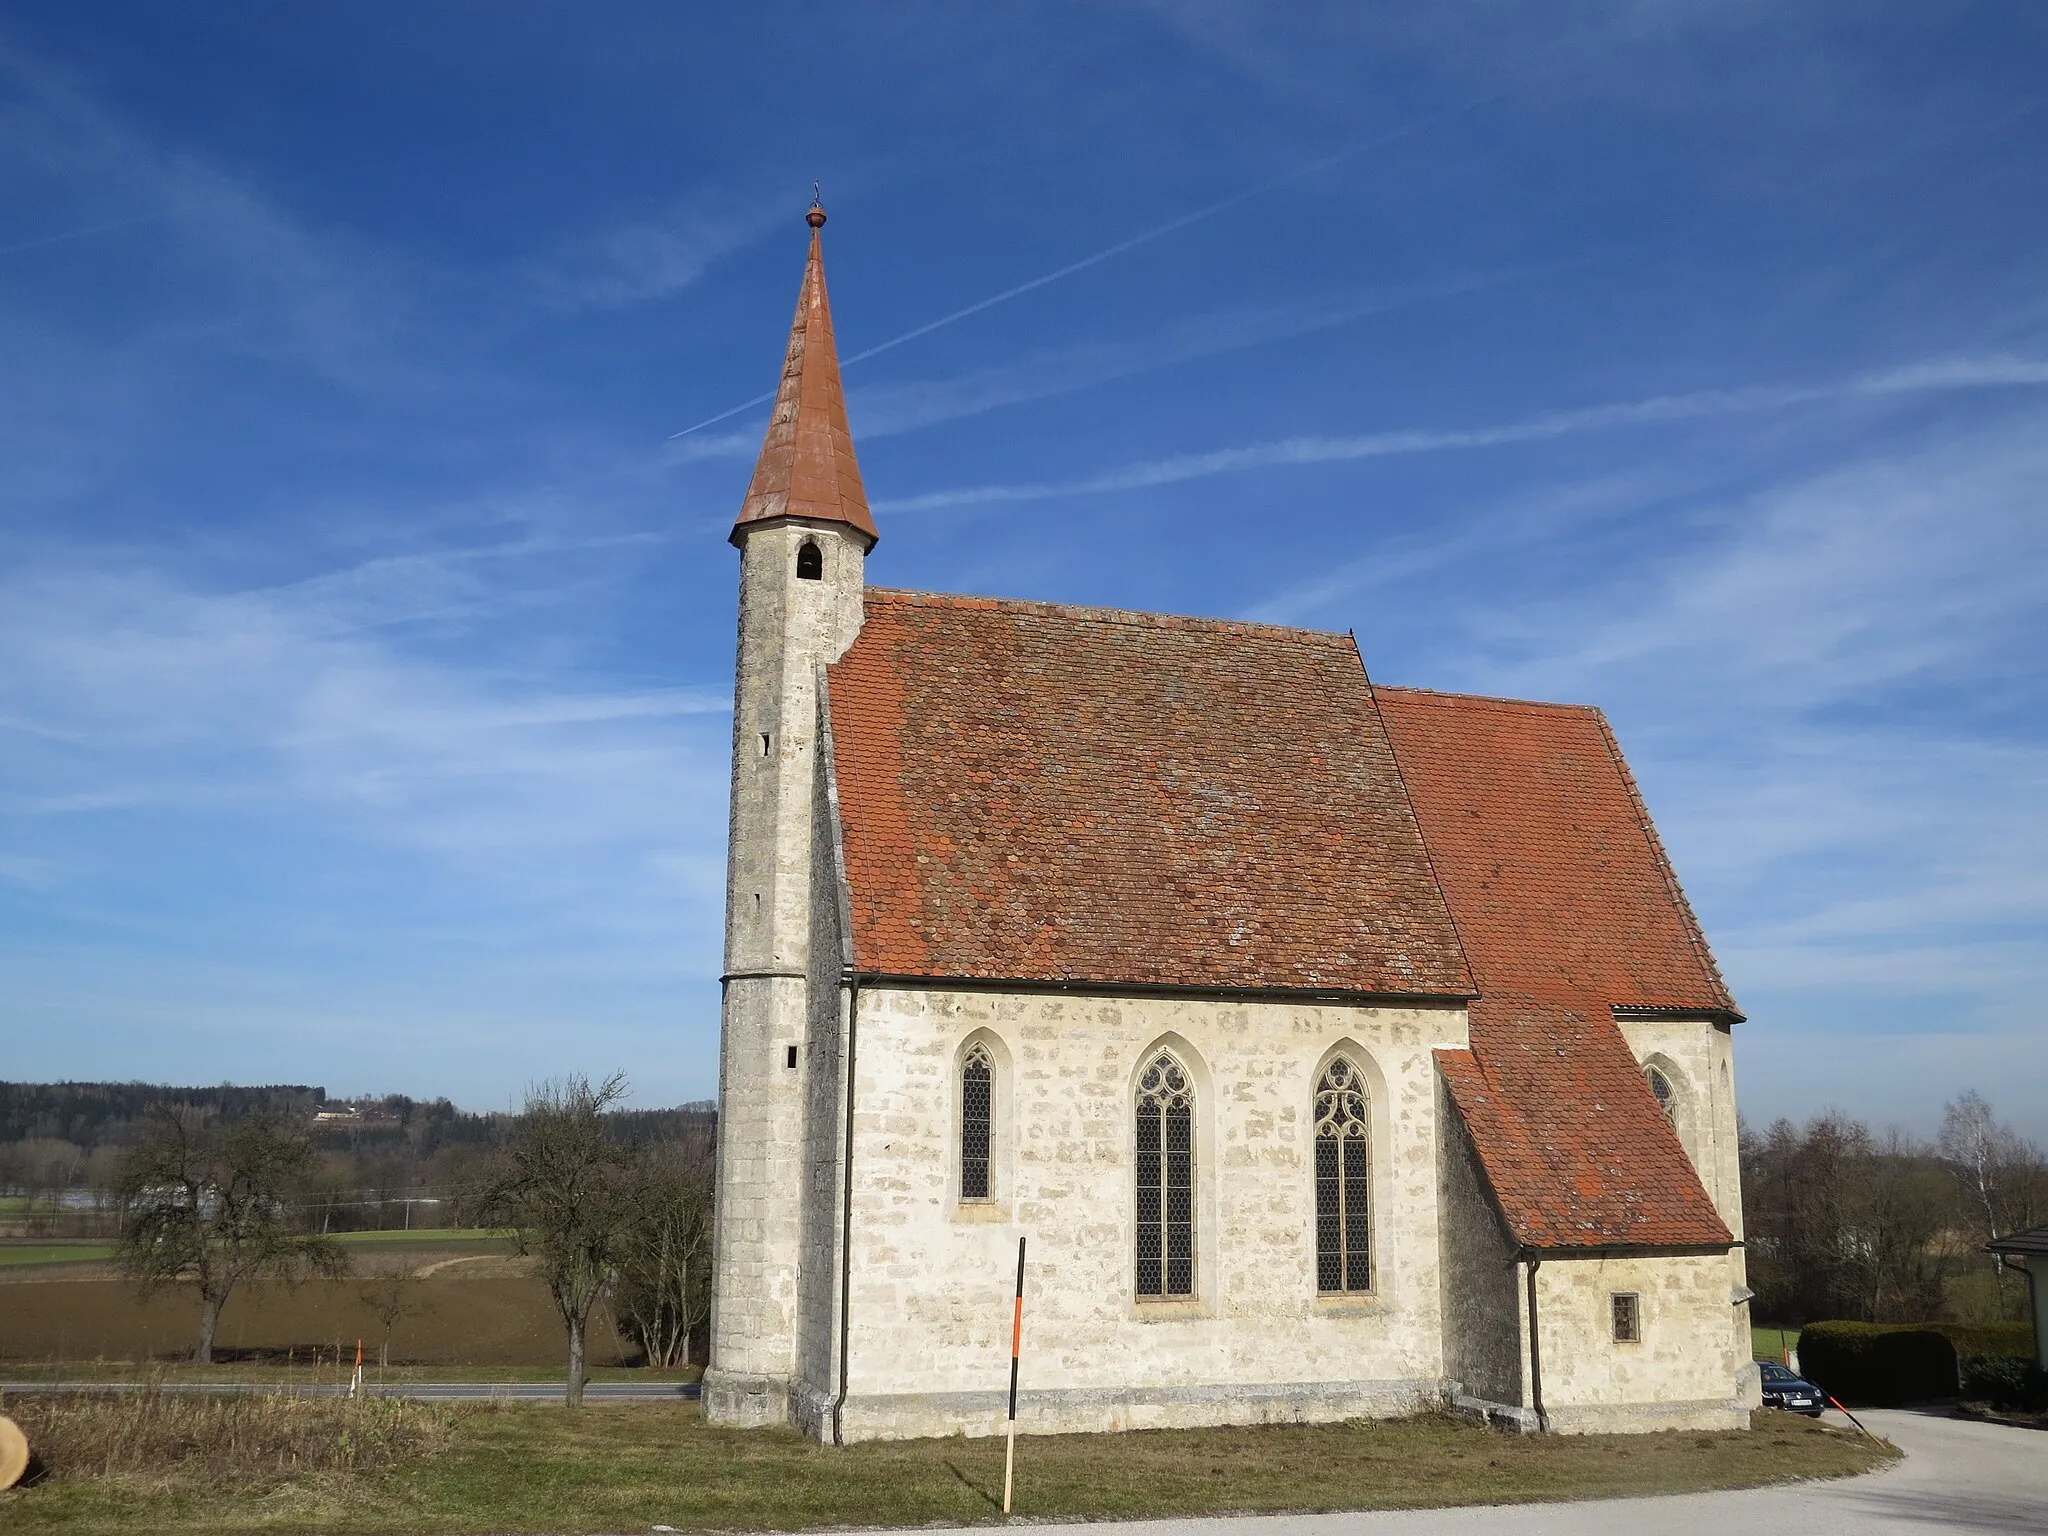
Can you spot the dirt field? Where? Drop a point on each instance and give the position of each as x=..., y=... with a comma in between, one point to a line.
x=483, y=1312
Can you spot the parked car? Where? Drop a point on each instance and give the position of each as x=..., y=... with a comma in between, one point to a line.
x=1793, y=1393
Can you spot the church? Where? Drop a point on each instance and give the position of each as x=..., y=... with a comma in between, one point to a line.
x=1338, y=1048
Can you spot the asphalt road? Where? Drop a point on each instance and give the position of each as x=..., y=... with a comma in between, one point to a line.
x=437, y=1391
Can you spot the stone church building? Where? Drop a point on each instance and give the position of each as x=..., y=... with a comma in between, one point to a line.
x=1334, y=1045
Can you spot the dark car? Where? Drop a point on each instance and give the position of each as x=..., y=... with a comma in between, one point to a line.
x=1793, y=1393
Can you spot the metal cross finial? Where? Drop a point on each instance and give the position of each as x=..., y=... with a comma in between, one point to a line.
x=817, y=198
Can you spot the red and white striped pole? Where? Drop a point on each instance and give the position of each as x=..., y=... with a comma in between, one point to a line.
x=1016, y=1345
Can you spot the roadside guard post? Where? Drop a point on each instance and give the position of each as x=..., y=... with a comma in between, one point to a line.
x=1016, y=1344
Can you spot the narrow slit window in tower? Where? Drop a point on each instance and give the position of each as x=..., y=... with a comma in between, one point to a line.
x=810, y=564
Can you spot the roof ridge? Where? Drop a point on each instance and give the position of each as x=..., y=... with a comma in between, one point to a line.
x=1485, y=700
x=1134, y=617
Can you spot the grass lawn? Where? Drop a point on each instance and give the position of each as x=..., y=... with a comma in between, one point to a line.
x=521, y=1468
x=1771, y=1343
x=443, y=1237
x=55, y=1253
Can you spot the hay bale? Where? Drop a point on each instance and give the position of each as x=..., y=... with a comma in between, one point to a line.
x=13, y=1452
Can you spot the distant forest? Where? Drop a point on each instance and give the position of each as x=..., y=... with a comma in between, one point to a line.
x=384, y=1161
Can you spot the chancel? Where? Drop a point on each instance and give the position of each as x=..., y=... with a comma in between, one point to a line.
x=1338, y=1047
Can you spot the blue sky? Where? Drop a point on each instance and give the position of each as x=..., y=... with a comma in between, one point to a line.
x=365, y=630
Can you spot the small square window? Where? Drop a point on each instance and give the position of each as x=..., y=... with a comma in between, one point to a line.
x=1628, y=1317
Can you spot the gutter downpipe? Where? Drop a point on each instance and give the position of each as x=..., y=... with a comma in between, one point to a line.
x=1535, y=1351
x=846, y=1204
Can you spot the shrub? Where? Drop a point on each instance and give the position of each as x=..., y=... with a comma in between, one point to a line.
x=2005, y=1382
x=1878, y=1364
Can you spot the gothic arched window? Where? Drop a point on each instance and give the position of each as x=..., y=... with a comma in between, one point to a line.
x=1343, y=1138
x=1665, y=1094
x=810, y=565
x=977, y=1094
x=1166, y=1180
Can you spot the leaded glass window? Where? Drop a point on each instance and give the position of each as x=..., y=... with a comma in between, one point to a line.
x=1166, y=1181
x=1343, y=1166
x=977, y=1081
x=1666, y=1095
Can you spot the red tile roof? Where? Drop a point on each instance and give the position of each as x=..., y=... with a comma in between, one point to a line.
x=807, y=467
x=1036, y=792
x=1567, y=907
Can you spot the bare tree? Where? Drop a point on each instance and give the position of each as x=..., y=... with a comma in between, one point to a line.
x=392, y=1294
x=664, y=1287
x=216, y=1202
x=563, y=1187
x=2003, y=1177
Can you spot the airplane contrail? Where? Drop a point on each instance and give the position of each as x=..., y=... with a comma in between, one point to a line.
x=79, y=234
x=1159, y=231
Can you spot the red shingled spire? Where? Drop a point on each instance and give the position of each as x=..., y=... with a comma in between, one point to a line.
x=807, y=467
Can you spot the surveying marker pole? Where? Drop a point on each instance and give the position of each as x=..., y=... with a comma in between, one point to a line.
x=1016, y=1342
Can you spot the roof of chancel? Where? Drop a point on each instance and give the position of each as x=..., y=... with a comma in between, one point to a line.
x=1567, y=908
x=1034, y=792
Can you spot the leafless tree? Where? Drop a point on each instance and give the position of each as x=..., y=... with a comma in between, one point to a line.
x=2003, y=1177
x=392, y=1294
x=564, y=1189
x=664, y=1286
x=217, y=1203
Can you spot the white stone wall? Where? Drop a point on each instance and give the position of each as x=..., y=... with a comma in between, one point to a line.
x=1482, y=1306
x=1697, y=1057
x=1686, y=1372
x=932, y=1278
x=788, y=628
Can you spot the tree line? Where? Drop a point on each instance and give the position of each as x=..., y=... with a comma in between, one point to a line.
x=1847, y=1223
x=613, y=1207
x=379, y=1162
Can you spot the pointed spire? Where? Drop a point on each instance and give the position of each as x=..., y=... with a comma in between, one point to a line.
x=807, y=468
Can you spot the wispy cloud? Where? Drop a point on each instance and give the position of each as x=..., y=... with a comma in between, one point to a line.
x=655, y=256
x=1832, y=697
x=1949, y=374
x=883, y=410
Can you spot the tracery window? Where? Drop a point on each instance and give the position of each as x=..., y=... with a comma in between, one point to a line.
x=1343, y=1138
x=1166, y=1180
x=1666, y=1095
x=977, y=1085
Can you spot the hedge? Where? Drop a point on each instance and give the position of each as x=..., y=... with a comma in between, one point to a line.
x=1878, y=1364
x=1989, y=1341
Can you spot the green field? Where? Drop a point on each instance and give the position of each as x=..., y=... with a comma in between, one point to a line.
x=267, y=1376
x=1771, y=1343
x=12, y=1254
x=524, y=1468
x=455, y=1239
x=445, y=1236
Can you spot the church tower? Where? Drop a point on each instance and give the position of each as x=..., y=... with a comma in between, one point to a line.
x=803, y=535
